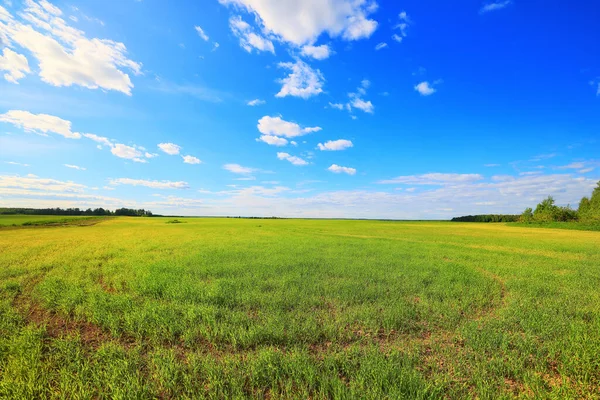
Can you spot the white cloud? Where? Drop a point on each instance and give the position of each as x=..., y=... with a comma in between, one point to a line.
x=339, y=169
x=201, y=33
x=491, y=165
x=541, y=157
x=596, y=84
x=248, y=38
x=303, y=81
x=15, y=64
x=134, y=153
x=586, y=170
x=302, y=22
x=16, y=163
x=273, y=140
x=381, y=45
x=99, y=139
x=494, y=6
x=293, y=159
x=574, y=165
x=403, y=25
x=335, y=145
x=356, y=100
x=363, y=105
x=170, y=148
x=35, y=183
x=238, y=169
x=511, y=196
x=150, y=184
x=433, y=179
x=256, y=102
x=64, y=54
x=317, y=52
x=128, y=152
x=39, y=123
x=425, y=88
x=191, y=160
x=276, y=126
x=75, y=167
x=43, y=124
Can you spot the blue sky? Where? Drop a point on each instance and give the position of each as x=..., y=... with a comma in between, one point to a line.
x=346, y=108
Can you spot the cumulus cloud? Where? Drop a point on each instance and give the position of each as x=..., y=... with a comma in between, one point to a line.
x=303, y=81
x=363, y=105
x=337, y=169
x=433, y=179
x=201, y=33
x=302, y=22
x=317, y=52
x=335, y=145
x=293, y=159
x=170, y=148
x=249, y=39
x=191, y=160
x=77, y=167
x=43, y=124
x=150, y=184
x=15, y=65
x=238, y=169
x=39, y=123
x=256, y=102
x=494, y=6
x=128, y=152
x=273, y=140
x=425, y=88
x=273, y=128
x=65, y=55
x=381, y=45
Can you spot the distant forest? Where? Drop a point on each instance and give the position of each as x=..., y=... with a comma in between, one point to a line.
x=487, y=218
x=76, y=211
x=547, y=211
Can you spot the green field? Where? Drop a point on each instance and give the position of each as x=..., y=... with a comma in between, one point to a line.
x=28, y=220
x=233, y=308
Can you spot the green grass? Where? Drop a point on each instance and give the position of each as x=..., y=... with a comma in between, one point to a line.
x=234, y=308
x=36, y=220
x=581, y=226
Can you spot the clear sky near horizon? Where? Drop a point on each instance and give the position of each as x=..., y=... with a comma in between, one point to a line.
x=340, y=108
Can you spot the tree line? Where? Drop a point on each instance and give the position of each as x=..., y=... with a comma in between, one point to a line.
x=487, y=218
x=76, y=211
x=548, y=211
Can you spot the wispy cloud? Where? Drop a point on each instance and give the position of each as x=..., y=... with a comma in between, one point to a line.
x=75, y=167
x=16, y=163
x=494, y=6
x=150, y=184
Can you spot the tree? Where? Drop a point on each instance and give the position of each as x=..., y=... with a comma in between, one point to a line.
x=527, y=215
x=545, y=211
